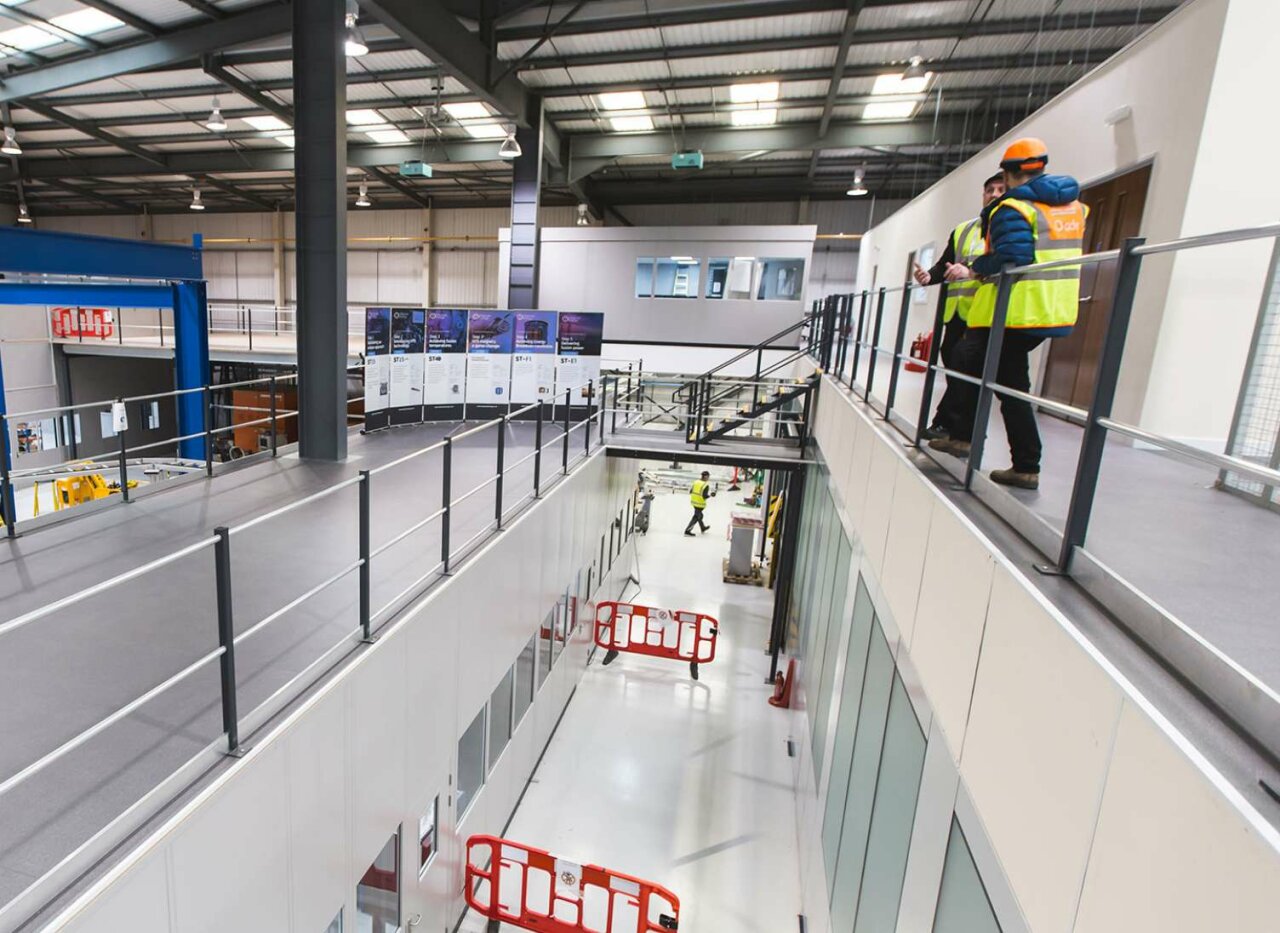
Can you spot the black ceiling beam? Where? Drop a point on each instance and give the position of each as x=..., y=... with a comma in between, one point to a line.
x=236, y=191
x=120, y=13
x=404, y=187
x=284, y=52
x=865, y=70
x=181, y=45
x=208, y=9
x=842, y=59
x=92, y=130
x=91, y=194
x=697, y=14
x=429, y=27
x=247, y=90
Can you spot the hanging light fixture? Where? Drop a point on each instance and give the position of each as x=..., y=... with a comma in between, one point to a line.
x=10, y=146
x=510, y=149
x=196, y=204
x=363, y=200
x=355, y=45
x=216, y=123
x=858, y=190
x=583, y=219
x=24, y=216
x=915, y=68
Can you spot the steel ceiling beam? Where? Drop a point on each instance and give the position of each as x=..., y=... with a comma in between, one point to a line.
x=863, y=70
x=695, y=13
x=236, y=191
x=181, y=45
x=19, y=15
x=92, y=195
x=120, y=13
x=433, y=30
x=92, y=130
x=404, y=187
x=837, y=71
x=247, y=90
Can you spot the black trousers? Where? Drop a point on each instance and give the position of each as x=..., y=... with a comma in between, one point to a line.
x=945, y=415
x=696, y=520
x=1014, y=371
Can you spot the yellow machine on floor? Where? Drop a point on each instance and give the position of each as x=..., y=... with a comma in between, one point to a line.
x=83, y=487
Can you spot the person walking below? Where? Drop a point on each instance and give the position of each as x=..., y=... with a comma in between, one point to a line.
x=964, y=245
x=699, y=492
x=1039, y=219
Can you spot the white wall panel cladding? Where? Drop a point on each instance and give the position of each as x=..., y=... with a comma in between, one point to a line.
x=1084, y=808
x=278, y=842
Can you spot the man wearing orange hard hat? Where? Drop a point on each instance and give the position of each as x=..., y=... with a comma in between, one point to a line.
x=1039, y=219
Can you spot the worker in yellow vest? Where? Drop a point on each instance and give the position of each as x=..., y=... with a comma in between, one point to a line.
x=964, y=245
x=699, y=492
x=1039, y=219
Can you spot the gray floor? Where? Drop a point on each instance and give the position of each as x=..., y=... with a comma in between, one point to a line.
x=60, y=675
x=1208, y=557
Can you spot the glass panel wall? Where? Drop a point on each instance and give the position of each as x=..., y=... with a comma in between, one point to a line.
x=500, y=717
x=427, y=836
x=525, y=680
x=963, y=905
x=378, y=893
x=470, y=763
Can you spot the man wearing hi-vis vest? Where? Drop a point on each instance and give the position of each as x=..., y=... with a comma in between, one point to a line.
x=1039, y=219
x=698, y=495
x=964, y=246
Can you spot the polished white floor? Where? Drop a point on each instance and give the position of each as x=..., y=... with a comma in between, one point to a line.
x=685, y=784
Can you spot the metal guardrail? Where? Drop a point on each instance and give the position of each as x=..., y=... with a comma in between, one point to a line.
x=840, y=336
x=220, y=542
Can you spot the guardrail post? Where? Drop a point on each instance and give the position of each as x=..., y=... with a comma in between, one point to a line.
x=804, y=416
x=873, y=349
x=8, y=512
x=586, y=428
x=124, y=468
x=990, y=366
x=365, y=569
x=249, y=308
x=630, y=400
x=208, y=431
x=502, y=449
x=446, y=495
x=616, y=403
x=537, y=450
x=274, y=442
x=930, y=371
x=226, y=639
x=755, y=388
x=899, y=339
x=568, y=407
x=857, y=339
x=1094, y=442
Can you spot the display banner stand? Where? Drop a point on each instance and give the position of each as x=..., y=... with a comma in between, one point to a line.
x=533, y=363
x=377, y=368
x=445, y=370
x=490, y=342
x=580, y=343
x=408, y=328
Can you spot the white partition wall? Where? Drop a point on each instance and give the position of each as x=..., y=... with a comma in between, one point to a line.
x=279, y=840
x=1033, y=786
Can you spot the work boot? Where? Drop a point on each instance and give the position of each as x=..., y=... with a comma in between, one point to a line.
x=609, y=656
x=693, y=669
x=689, y=534
x=935, y=433
x=1015, y=478
x=951, y=446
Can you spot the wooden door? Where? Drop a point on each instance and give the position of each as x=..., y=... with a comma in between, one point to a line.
x=1115, y=213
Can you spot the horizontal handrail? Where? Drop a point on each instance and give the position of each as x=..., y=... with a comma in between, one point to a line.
x=101, y=587
x=1263, y=232
x=439, y=445
x=296, y=602
x=296, y=504
x=1221, y=461
x=415, y=527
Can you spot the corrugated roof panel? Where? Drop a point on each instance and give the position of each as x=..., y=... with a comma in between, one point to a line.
x=265, y=71
x=626, y=40
x=796, y=90
x=822, y=23
x=49, y=136
x=907, y=14
x=647, y=71
x=883, y=52
x=179, y=128
x=796, y=114
x=752, y=63
x=150, y=80
x=576, y=126
x=167, y=13
x=546, y=77
x=390, y=61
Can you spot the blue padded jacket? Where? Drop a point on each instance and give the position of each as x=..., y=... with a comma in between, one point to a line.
x=1010, y=234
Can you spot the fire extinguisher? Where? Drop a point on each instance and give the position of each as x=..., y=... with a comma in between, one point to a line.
x=920, y=348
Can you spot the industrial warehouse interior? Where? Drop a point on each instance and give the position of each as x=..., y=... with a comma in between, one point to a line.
x=621, y=466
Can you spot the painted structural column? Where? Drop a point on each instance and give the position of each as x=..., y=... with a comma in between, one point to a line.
x=190, y=363
x=526, y=194
x=320, y=166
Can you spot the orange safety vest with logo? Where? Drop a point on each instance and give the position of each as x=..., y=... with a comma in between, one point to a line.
x=698, y=493
x=968, y=245
x=1042, y=298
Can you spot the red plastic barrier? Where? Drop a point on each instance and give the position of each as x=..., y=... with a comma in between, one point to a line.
x=83, y=322
x=534, y=890
x=659, y=633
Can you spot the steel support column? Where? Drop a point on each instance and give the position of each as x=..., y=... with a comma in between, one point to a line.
x=526, y=194
x=320, y=70
x=190, y=363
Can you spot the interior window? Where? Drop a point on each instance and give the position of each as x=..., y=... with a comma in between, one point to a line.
x=427, y=835
x=676, y=277
x=730, y=277
x=644, y=278
x=470, y=763
x=780, y=279
x=378, y=893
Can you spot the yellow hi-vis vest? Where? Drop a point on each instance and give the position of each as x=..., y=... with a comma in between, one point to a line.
x=968, y=245
x=1042, y=298
x=698, y=493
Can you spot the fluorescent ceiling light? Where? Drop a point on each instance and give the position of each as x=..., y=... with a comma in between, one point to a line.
x=622, y=100
x=353, y=45
x=753, y=93
x=86, y=22
x=898, y=84
x=632, y=124
x=364, y=117
x=890, y=110
x=486, y=130
x=387, y=136
x=266, y=123
x=468, y=110
x=765, y=116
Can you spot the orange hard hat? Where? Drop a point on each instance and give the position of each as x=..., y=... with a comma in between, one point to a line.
x=1026, y=154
